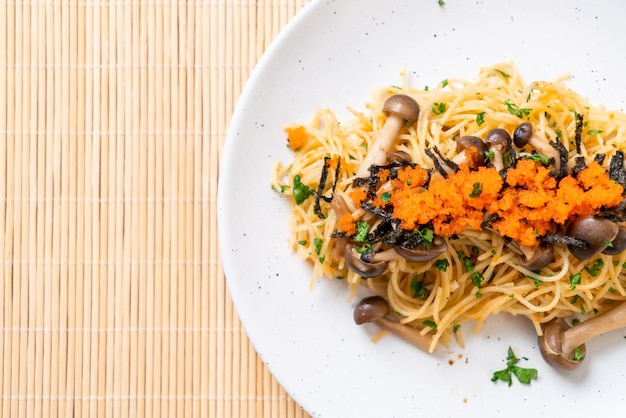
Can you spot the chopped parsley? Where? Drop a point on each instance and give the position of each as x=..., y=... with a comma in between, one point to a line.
x=524, y=375
x=442, y=265
x=456, y=328
x=579, y=355
x=429, y=323
x=318, y=242
x=477, y=190
x=439, y=108
x=514, y=109
x=301, y=191
x=480, y=118
x=503, y=74
x=574, y=280
x=594, y=131
x=444, y=83
x=385, y=197
x=362, y=228
x=427, y=236
x=467, y=262
x=477, y=279
x=418, y=288
x=538, y=158
x=595, y=268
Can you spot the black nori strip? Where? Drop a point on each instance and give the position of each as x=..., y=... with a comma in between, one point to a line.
x=563, y=157
x=616, y=169
x=599, y=158
x=579, y=165
x=578, y=136
x=436, y=162
x=317, y=209
x=454, y=166
x=565, y=240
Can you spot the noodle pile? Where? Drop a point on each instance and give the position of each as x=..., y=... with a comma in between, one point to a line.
x=478, y=274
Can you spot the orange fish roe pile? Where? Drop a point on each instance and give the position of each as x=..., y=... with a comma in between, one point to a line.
x=346, y=224
x=453, y=204
x=296, y=137
x=529, y=204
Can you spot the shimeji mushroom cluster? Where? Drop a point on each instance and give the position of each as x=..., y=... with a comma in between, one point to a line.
x=586, y=236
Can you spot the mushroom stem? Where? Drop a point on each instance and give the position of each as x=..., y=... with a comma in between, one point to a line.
x=601, y=324
x=525, y=134
x=377, y=154
x=409, y=334
x=559, y=342
x=375, y=309
x=399, y=109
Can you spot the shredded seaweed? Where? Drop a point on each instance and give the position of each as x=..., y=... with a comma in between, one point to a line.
x=616, y=169
x=317, y=209
x=565, y=240
x=436, y=161
x=579, y=165
x=563, y=157
x=578, y=136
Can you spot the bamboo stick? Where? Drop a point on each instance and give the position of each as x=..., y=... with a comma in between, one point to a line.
x=5, y=269
x=76, y=82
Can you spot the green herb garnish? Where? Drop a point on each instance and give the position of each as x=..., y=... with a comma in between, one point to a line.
x=480, y=118
x=595, y=268
x=362, y=228
x=442, y=265
x=477, y=190
x=574, y=280
x=418, y=288
x=514, y=109
x=524, y=375
x=439, y=108
x=301, y=191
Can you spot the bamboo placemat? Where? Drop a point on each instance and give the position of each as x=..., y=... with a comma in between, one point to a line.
x=113, y=115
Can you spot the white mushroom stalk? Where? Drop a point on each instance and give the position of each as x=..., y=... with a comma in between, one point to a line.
x=399, y=109
x=525, y=134
x=564, y=347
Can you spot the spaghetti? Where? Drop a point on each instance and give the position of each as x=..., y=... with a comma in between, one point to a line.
x=447, y=234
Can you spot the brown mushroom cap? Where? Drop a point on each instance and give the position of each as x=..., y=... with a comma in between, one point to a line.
x=543, y=255
x=472, y=149
x=403, y=106
x=551, y=346
x=498, y=137
x=522, y=134
x=420, y=254
x=596, y=232
x=398, y=157
x=360, y=267
x=370, y=309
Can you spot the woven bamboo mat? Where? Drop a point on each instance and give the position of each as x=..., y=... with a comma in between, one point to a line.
x=112, y=296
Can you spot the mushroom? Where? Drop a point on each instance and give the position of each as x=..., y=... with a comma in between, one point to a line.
x=361, y=267
x=559, y=342
x=421, y=254
x=400, y=109
x=399, y=157
x=470, y=150
x=541, y=257
x=375, y=309
x=499, y=142
x=598, y=233
x=525, y=135
x=618, y=244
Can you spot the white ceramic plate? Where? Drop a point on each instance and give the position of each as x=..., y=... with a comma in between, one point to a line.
x=333, y=54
